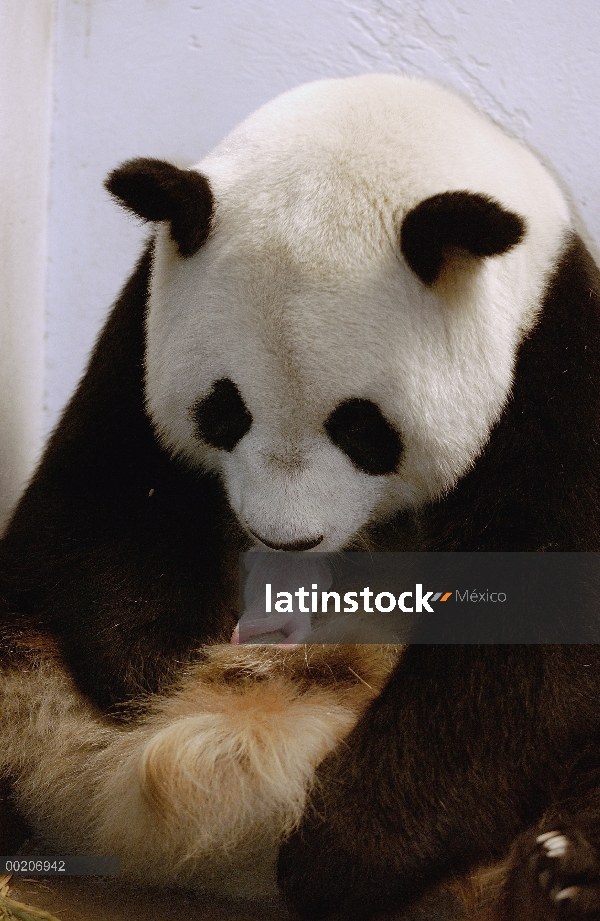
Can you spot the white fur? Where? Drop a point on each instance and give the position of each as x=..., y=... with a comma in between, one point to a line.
x=302, y=297
x=200, y=791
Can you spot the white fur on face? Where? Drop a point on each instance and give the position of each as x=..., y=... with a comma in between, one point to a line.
x=302, y=298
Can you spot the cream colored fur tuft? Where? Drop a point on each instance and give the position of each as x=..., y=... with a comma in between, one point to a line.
x=199, y=791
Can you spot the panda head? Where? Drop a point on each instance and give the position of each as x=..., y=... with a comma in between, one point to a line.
x=337, y=298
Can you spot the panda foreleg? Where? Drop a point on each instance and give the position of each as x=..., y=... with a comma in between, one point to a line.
x=426, y=787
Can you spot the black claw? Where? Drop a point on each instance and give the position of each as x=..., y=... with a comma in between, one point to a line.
x=538, y=878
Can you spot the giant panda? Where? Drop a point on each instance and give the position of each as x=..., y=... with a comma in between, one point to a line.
x=365, y=321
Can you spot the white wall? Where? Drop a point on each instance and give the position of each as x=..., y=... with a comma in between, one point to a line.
x=26, y=33
x=168, y=78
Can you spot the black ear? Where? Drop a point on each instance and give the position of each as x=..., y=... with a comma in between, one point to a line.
x=158, y=191
x=463, y=220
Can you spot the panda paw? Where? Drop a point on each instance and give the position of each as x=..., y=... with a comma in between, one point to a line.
x=554, y=875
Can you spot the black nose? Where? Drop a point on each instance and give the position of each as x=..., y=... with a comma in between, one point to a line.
x=294, y=545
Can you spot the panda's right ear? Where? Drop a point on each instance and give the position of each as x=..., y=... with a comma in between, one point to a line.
x=466, y=221
x=158, y=191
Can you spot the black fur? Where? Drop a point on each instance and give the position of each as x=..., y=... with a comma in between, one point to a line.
x=463, y=750
x=122, y=553
x=464, y=220
x=536, y=485
x=359, y=429
x=222, y=418
x=158, y=191
x=469, y=746
x=536, y=886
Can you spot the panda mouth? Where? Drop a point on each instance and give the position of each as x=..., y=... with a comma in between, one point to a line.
x=292, y=545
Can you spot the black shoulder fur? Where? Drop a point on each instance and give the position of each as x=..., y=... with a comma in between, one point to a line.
x=116, y=548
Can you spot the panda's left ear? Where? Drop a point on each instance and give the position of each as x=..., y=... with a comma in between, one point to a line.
x=158, y=191
x=465, y=221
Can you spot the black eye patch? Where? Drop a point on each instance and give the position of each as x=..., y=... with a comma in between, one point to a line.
x=360, y=430
x=222, y=418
